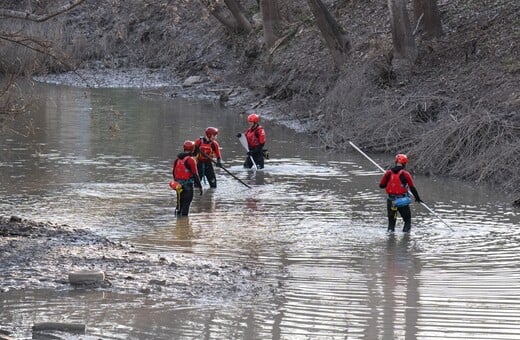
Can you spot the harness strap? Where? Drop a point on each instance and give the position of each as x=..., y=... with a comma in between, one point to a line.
x=185, y=181
x=393, y=197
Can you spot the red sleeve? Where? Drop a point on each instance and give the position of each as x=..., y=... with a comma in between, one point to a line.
x=409, y=179
x=193, y=166
x=261, y=135
x=385, y=179
x=217, y=150
x=173, y=167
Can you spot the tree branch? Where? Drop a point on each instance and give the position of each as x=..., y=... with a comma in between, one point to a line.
x=7, y=13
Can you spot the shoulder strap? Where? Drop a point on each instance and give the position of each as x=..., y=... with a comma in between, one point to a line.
x=186, y=165
x=402, y=177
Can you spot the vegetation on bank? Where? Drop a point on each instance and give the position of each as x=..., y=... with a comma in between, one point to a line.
x=452, y=103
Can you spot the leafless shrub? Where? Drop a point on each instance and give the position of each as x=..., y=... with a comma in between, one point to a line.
x=443, y=135
x=357, y=107
x=476, y=145
x=11, y=99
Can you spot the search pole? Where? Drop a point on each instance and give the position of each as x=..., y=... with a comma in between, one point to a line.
x=383, y=170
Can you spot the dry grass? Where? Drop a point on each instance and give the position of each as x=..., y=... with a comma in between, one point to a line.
x=444, y=135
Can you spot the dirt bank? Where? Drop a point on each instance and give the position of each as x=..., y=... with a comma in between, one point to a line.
x=456, y=112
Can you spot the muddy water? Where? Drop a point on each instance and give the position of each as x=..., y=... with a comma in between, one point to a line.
x=313, y=223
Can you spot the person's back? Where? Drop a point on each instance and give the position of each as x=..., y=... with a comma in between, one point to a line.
x=185, y=173
x=396, y=182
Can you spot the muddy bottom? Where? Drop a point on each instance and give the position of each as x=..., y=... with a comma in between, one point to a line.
x=40, y=255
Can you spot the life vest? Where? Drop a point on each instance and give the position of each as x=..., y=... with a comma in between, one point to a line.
x=207, y=147
x=181, y=170
x=395, y=185
x=255, y=136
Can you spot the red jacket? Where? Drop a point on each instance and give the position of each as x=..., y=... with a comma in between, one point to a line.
x=210, y=148
x=396, y=181
x=255, y=136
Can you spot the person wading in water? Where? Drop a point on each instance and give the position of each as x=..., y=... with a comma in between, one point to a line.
x=208, y=147
x=186, y=174
x=255, y=136
x=396, y=181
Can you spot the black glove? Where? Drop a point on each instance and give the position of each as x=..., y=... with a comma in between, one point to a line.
x=219, y=163
x=239, y=135
x=418, y=200
x=250, y=153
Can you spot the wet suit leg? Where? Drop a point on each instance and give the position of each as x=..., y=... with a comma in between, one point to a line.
x=392, y=215
x=258, y=157
x=201, y=168
x=210, y=175
x=185, y=199
x=406, y=214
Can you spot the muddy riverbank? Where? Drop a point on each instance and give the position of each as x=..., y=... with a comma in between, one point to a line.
x=40, y=255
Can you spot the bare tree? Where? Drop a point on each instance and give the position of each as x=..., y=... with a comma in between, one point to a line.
x=334, y=36
x=11, y=99
x=220, y=9
x=402, y=35
x=271, y=21
x=428, y=18
x=238, y=14
x=13, y=14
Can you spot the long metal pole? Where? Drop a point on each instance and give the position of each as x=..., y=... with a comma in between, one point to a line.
x=222, y=167
x=383, y=170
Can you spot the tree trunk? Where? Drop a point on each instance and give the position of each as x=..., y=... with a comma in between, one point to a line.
x=402, y=35
x=235, y=22
x=220, y=14
x=239, y=15
x=271, y=21
x=426, y=13
x=335, y=39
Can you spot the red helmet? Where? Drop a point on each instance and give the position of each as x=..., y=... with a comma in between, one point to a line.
x=253, y=118
x=189, y=146
x=401, y=158
x=211, y=131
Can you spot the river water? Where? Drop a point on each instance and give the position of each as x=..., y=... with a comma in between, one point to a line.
x=313, y=221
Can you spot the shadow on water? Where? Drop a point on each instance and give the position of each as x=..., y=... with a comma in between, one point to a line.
x=313, y=224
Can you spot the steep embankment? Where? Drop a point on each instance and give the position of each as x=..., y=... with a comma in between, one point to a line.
x=456, y=112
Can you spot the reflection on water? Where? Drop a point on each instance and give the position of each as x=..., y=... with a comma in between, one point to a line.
x=315, y=222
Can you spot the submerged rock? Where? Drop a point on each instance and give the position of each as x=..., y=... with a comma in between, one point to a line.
x=87, y=278
x=44, y=328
